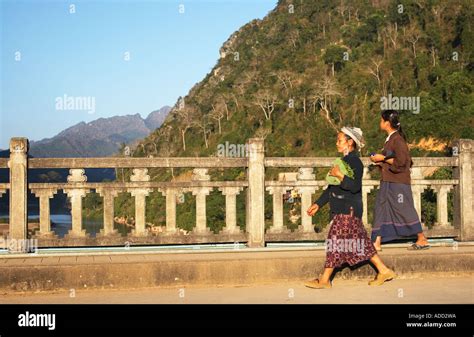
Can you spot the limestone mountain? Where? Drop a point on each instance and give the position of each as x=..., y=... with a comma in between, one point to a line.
x=310, y=67
x=156, y=118
x=99, y=138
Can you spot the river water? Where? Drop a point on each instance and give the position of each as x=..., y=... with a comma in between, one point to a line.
x=62, y=223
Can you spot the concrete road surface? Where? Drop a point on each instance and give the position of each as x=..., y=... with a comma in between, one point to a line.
x=429, y=288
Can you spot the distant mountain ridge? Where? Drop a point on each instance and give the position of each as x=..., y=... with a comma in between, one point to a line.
x=99, y=138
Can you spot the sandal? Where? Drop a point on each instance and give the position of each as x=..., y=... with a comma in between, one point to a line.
x=382, y=278
x=416, y=246
x=316, y=285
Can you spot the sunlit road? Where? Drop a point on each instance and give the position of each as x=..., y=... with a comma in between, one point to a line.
x=427, y=289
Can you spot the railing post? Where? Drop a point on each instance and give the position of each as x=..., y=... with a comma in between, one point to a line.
x=76, y=192
x=201, y=174
x=170, y=194
x=306, y=173
x=230, y=209
x=108, y=196
x=463, y=192
x=366, y=189
x=140, y=194
x=442, y=205
x=45, y=221
x=256, y=194
x=417, y=191
x=278, y=225
x=18, y=165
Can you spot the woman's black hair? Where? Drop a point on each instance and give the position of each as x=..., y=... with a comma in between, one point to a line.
x=392, y=116
x=353, y=141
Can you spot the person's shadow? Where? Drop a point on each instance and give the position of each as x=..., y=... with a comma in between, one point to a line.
x=352, y=268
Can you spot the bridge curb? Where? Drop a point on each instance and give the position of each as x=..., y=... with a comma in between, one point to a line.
x=129, y=271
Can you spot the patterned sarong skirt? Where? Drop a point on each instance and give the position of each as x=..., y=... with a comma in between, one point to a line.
x=347, y=242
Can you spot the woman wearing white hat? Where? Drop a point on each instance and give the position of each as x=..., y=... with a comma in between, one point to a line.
x=345, y=201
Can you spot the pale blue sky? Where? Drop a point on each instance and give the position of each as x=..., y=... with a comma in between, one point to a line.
x=82, y=54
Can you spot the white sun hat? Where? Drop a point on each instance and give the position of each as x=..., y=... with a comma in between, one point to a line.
x=356, y=135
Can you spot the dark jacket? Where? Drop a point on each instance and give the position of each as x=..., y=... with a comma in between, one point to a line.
x=399, y=171
x=349, y=193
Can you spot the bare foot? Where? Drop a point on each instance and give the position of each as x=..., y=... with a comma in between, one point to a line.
x=422, y=242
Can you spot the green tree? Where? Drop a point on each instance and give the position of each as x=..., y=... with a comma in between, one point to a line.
x=334, y=56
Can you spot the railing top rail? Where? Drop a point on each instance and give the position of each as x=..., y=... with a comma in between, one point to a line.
x=209, y=162
x=139, y=184
x=110, y=162
x=328, y=161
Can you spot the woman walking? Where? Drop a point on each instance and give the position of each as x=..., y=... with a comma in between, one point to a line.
x=395, y=215
x=347, y=240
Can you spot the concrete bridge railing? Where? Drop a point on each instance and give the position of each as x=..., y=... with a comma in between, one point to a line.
x=255, y=184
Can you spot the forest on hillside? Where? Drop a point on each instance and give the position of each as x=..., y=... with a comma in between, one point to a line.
x=310, y=67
